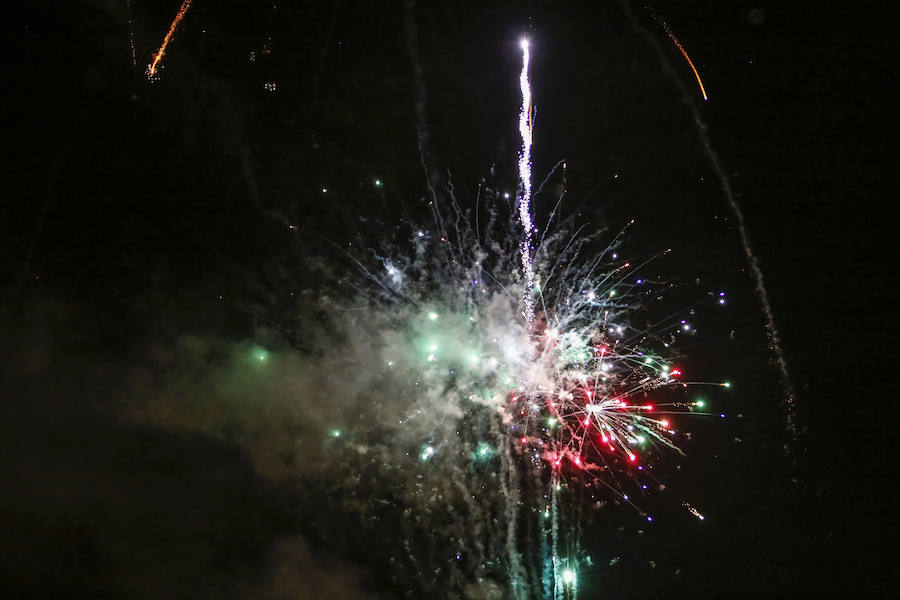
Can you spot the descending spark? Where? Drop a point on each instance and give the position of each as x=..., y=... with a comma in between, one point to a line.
x=131, y=32
x=678, y=45
x=525, y=130
x=153, y=67
x=762, y=294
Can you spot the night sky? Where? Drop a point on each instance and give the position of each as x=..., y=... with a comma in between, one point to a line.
x=158, y=237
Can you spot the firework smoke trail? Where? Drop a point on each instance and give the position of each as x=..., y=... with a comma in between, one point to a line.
x=424, y=137
x=525, y=130
x=762, y=295
x=678, y=45
x=153, y=67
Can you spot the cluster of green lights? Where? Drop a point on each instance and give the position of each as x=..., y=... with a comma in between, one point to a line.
x=577, y=352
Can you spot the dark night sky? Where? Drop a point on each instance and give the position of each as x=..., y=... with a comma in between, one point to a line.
x=135, y=215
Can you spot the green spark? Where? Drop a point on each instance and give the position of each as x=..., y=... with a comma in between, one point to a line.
x=427, y=452
x=483, y=452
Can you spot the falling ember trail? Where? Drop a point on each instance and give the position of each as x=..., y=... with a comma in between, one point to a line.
x=684, y=53
x=153, y=67
x=525, y=130
x=762, y=295
x=131, y=32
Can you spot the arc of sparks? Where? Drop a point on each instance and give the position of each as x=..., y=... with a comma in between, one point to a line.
x=526, y=131
x=684, y=53
x=153, y=67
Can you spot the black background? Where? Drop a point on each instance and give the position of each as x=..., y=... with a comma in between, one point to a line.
x=130, y=207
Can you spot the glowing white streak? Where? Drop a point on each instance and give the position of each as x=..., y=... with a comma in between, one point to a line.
x=525, y=179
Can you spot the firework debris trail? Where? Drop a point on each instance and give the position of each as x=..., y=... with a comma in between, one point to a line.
x=153, y=67
x=130, y=11
x=772, y=333
x=426, y=154
x=678, y=45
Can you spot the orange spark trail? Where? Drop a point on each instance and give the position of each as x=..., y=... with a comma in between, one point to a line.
x=152, y=68
x=683, y=51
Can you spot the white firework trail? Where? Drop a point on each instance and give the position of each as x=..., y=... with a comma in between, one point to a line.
x=525, y=130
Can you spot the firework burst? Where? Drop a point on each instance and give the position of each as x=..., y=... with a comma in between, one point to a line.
x=499, y=368
x=502, y=366
x=499, y=412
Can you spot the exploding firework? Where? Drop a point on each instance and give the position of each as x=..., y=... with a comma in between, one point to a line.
x=501, y=414
x=500, y=371
x=153, y=67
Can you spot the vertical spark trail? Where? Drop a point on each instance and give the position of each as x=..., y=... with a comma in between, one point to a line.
x=153, y=67
x=554, y=532
x=525, y=130
x=131, y=32
x=678, y=45
x=760, y=288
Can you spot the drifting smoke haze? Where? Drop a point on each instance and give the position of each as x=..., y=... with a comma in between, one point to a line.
x=393, y=414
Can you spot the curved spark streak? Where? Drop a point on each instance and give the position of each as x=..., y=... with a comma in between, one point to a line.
x=525, y=130
x=753, y=262
x=153, y=67
x=684, y=53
